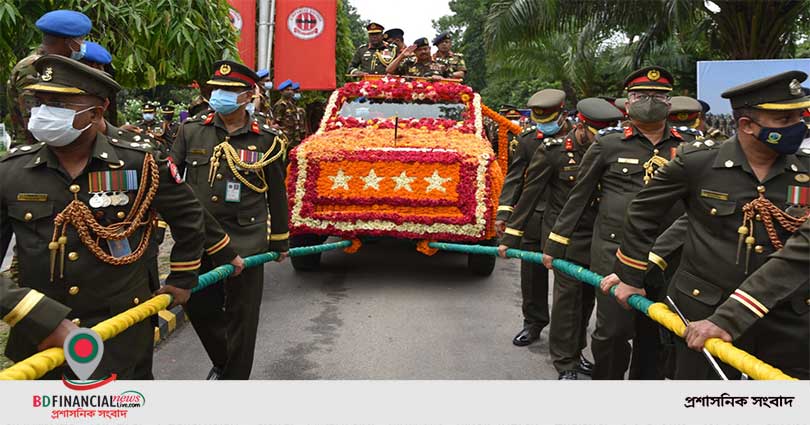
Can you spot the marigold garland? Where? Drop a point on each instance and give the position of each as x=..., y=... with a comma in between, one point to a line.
x=505, y=126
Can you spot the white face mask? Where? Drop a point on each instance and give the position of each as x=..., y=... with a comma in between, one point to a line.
x=54, y=126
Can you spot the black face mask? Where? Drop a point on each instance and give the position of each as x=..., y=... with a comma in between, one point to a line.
x=168, y=117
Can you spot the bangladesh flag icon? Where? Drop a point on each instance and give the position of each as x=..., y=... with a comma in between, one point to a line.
x=83, y=350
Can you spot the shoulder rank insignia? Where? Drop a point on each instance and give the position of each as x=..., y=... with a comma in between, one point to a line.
x=609, y=130
x=628, y=132
x=539, y=135
x=675, y=133
x=208, y=119
x=23, y=150
x=569, y=144
x=254, y=127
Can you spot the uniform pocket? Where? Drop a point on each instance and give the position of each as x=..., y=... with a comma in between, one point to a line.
x=698, y=289
x=625, y=171
x=800, y=300
x=195, y=166
x=249, y=218
x=30, y=211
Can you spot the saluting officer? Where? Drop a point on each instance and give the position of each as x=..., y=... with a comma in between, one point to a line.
x=374, y=57
x=456, y=68
x=63, y=33
x=743, y=198
x=81, y=206
x=619, y=163
x=415, y=61
x=552, y=172
x=549, y=123
x=396, y=37
x=234, y=165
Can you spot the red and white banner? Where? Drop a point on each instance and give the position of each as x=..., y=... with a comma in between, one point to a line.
x=243, y=18
x=305, y=38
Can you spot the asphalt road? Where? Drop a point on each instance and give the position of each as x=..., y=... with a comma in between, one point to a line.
x=386, y=312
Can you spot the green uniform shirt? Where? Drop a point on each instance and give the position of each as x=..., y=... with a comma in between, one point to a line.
x=372, y=60
x=33, y=189
x=614, y=164
x=412, y=67
x=240, y=211
x=290, y=119
x=714, y=183
x=453, y=62
x=550, y=177
x=19, y=101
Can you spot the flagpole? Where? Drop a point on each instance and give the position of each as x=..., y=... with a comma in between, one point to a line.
x=269, y=58
x=262, y=35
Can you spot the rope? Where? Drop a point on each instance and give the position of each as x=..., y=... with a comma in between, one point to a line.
x=233, y=160
x=658, y=312
x=39, y=364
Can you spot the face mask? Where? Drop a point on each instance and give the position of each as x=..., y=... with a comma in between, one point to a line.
x=148, y=117
x=648, y=110
x=268, y=85
x=168, y=117
x=223, y=101
x=784, y=140
x=297, y=96
x=54, y=126
x=250, y=108
x=80, y=54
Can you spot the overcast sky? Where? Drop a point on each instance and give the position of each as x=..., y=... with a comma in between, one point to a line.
x=412, y=16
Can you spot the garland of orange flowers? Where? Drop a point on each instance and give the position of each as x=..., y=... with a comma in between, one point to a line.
x=505, y=126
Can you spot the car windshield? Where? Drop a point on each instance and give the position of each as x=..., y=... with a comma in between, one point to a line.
x=366, y=109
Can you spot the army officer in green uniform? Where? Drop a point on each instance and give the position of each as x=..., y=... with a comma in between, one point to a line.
x=416, y=61
x=550, y=176
x=234, y=165
x=621, y=161
x=550, y=124
x=454, y=62
x=744, y=198
x=76, y=178
x=374, y=57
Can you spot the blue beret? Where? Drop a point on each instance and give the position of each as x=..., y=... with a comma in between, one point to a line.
x=96, y=53
x=441, y=37
x=296, y=86
x=65, y=23
x=284, y=84
x=262, y=73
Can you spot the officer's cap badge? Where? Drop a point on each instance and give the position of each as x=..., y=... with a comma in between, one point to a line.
x=653, y=74
x=47, y=74
x=225, y=69
x=683, y=116
x=795, y=88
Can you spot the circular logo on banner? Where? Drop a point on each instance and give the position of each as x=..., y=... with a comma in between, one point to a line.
x=236, y=19
x=305, y=23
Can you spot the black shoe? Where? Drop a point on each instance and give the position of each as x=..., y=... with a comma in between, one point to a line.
x=585, y=366
x=526, y=337
x=214, y=374
x=568, y=375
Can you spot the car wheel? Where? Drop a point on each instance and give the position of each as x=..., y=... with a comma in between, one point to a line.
x=481, y=264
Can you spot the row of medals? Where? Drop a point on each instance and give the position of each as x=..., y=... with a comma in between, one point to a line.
x=103, y=200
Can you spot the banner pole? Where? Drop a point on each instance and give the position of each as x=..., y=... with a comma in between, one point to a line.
x=269, y=59
x=264, y=7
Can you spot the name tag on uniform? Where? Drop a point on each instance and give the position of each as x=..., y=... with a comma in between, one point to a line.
x=570, y=167
x=32, y=197
x=233, y=192
x=628, y=161
x=199, y=151
x=119, y=248
x=705, y=193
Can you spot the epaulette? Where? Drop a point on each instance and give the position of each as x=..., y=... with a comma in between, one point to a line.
x=136, y=143
x=610, y=130
x=266, y=128
x=549, y=142
x=803, y=152
x=690, y=130
x=23, y=150
x=528, y=131
x=699, y=145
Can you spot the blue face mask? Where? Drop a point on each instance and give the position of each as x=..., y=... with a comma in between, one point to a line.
x=784, y=140
x=223, y=101
x=148, y=117
x=80, y=54
x=549, y=128
x=268, y=85
x=250, y=108
x=297, y=96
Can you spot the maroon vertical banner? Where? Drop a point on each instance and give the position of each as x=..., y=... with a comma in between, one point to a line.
x=304, y=49
x=243, y=18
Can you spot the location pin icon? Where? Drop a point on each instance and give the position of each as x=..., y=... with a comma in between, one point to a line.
x=83, y=349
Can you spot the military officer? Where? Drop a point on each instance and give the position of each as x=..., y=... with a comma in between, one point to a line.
x=456, y=68
x=166, y=132
x=396, y=37
x=743, y=198
x=685, y=111
x=552, y=171
x=620, y=162
x=234, y=165
x=63, y=33
x=415, y=61
x=261, y=101
x=148, y=126
x=374, y=57
x=549, y=123
x=782, y=277
x=287, y=114
x=300, y=113
x=69, y=199
x=96, y=56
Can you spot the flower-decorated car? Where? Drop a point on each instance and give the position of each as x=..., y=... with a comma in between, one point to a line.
x=401, y=158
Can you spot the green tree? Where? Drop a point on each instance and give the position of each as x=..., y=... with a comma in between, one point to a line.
x=152, y=41
x=466, y=25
